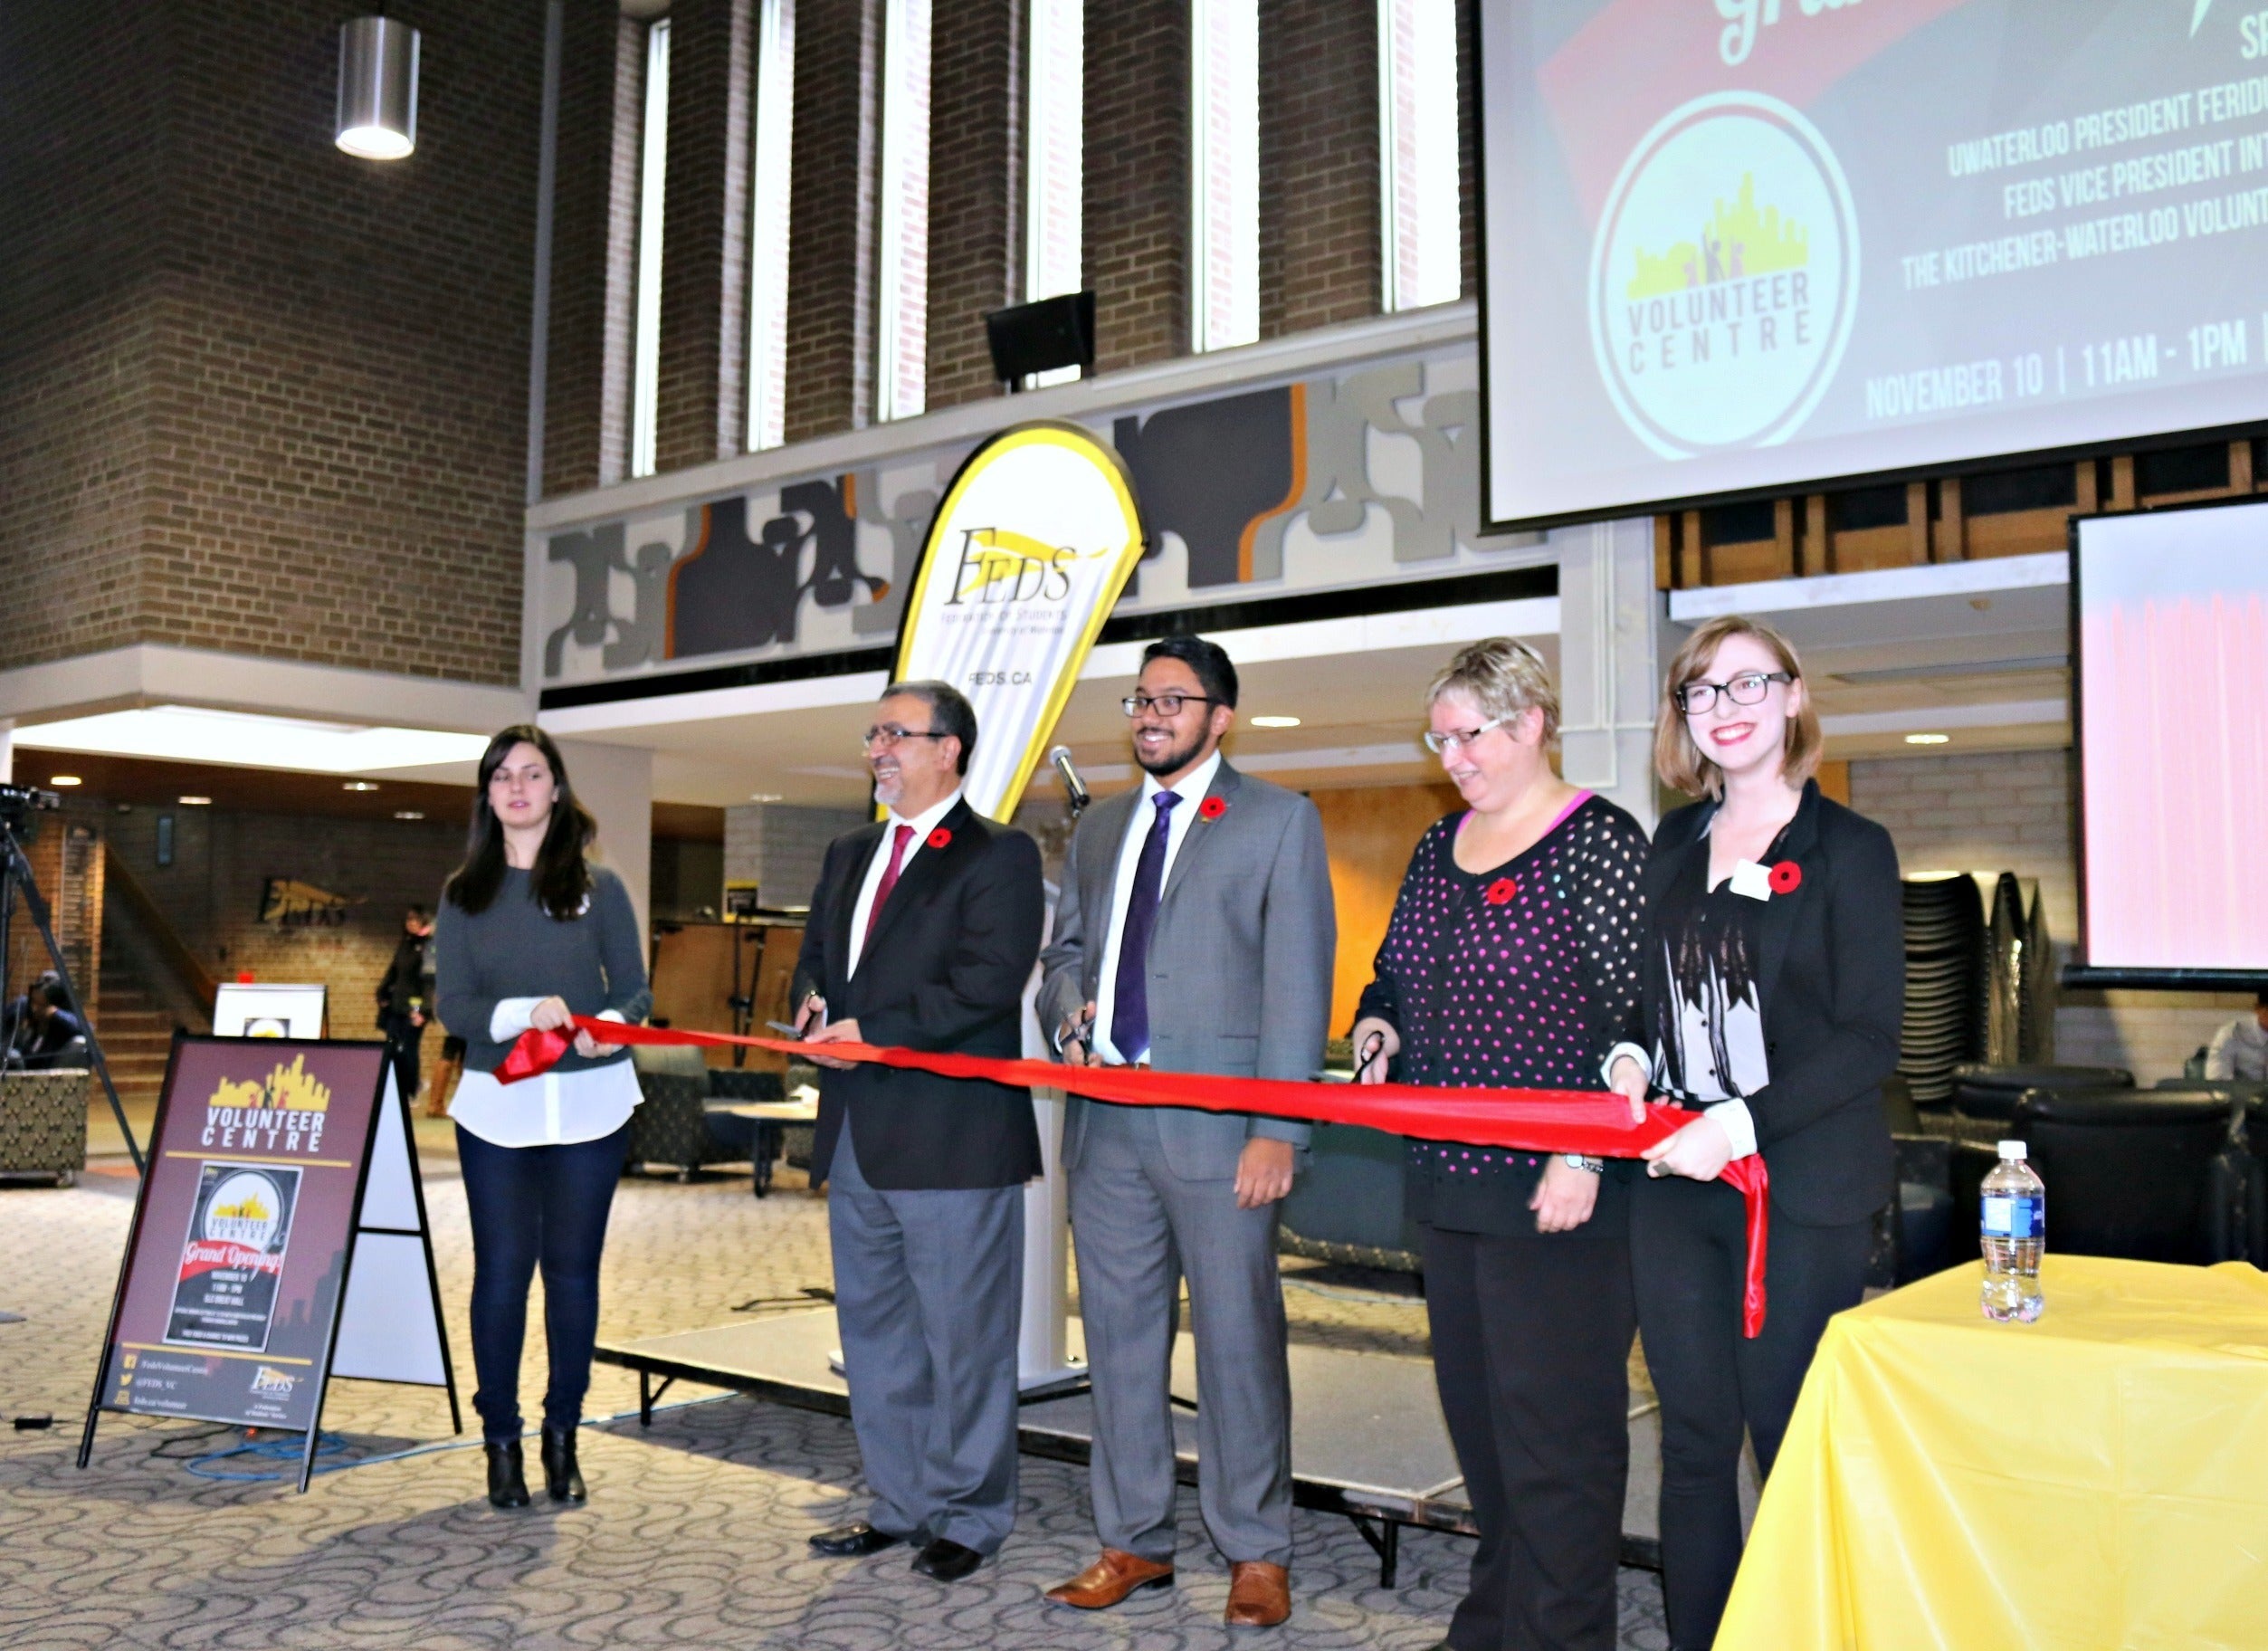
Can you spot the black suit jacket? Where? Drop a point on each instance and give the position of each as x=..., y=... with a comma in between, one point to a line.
x=944, y=971
x=1832, y=984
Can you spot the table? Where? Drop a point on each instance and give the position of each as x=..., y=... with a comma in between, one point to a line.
x=771, y=1119
x=2097, y=1479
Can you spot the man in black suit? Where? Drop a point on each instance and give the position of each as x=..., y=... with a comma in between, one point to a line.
x=923, y=934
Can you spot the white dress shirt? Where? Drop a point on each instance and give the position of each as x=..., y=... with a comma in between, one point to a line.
x=923, y=824
x=1192, y=789
x=2238, y=1053
x=555, y=1110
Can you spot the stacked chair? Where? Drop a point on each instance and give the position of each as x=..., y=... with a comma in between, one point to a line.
x=1945, y=984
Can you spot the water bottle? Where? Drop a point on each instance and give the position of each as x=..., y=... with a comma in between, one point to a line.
x=2014, y=1233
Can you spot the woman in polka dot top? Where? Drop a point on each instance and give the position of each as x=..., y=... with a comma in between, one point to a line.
x=1512, y=961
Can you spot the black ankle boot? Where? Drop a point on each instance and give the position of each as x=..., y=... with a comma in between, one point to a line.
x=507, y=1480
x=561, y=1476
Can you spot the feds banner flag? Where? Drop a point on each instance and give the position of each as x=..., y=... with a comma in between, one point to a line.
x=1037, y=538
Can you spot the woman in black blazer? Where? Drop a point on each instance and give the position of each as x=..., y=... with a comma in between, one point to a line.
x=1770, y=1002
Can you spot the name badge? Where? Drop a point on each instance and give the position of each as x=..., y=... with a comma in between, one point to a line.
x=1752, y=880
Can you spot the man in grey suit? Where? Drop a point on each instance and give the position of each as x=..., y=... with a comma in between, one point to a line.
x=1193, y=933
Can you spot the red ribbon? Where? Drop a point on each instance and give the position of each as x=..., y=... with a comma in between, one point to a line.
x=1582, y=1121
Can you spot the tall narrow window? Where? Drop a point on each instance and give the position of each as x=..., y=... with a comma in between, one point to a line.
x=1417, y=150
x=1056, y=127
x=767, y=222
x=902, y=334
x=1224, y=184
x=645, y=346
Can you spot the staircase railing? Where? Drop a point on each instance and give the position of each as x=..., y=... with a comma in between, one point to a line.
x=182, y=963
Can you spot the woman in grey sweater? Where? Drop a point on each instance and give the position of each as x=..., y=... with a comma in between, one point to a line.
x=530, y=934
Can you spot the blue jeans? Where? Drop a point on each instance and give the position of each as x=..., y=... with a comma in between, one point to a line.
x=536, y=1207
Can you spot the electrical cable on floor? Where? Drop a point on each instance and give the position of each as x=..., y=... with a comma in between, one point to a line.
x=286, y=1448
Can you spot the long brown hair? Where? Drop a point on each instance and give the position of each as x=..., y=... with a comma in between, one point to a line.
x=561, y=878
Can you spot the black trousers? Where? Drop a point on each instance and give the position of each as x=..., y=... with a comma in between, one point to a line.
x=1688, y=1248
x=402, y=1040
x=1532, y=1351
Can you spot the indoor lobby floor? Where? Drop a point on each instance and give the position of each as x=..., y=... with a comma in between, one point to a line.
x=694, y=1535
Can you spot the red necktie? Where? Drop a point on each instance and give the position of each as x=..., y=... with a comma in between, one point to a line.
x=889, y=882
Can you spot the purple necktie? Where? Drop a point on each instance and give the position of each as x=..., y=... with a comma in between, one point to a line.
x=1130, y=1006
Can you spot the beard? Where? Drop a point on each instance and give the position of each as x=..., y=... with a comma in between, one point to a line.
x=1176, y=757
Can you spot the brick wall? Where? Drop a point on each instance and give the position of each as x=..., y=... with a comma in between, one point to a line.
x=700, y=408
x=831, y=209
x=2015, y=811
x=1136, y=168
x=319, y=364
x=780, y=848
x=1320, y=257
x=83, y=147
x=223, y=860
x=976, y=103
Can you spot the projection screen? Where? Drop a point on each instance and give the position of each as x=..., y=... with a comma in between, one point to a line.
x=1739, y=245
x=2172, y=680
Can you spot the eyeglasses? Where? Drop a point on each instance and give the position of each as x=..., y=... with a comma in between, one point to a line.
x=1165, y=704
x=1748, y=687
x=1441, y=745
x=889, y=733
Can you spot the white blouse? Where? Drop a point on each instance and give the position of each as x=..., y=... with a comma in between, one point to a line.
x=556, y=1109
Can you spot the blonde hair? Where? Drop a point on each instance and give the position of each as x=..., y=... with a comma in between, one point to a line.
x=1680, y=763
x=1506, y=679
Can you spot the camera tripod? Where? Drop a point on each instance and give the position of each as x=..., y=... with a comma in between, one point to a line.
x=16, y=881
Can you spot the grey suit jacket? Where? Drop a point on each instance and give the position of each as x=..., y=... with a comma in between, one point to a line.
x=1240, y=962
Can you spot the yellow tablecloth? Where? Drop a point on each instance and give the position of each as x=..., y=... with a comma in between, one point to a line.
x=2096, y=1479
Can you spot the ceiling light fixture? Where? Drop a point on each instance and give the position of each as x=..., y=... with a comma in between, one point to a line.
x=63, y=779
x=358, y=785
x=1928, y=738
x=409, y=813
x=195, y=802
x=766, y=797
x=191, y=733
x=1275, y=721
x=377, y=88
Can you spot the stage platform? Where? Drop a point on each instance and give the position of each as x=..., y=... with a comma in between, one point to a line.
x=1368, y=1440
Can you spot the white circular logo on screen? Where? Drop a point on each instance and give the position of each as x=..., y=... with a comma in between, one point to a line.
x=1724, y=277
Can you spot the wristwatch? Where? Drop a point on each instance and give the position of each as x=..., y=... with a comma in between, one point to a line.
x=1596, y=1166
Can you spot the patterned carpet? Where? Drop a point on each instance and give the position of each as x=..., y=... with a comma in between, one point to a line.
x=695, y=1532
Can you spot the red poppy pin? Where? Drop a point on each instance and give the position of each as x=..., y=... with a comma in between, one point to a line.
x=1501, y=892
x=1211, y=808
x=1786, y=877
x=940, y=838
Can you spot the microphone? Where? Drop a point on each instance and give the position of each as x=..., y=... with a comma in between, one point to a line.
x=1074, y=788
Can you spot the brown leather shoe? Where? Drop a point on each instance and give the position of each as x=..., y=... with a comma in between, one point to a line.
x=1109, y=1579
x=1259, y=1594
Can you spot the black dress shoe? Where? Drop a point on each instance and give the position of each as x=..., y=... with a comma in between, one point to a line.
x=561, y=1475
x=854, y=1542
x=947, y=1561
x=507, y=1478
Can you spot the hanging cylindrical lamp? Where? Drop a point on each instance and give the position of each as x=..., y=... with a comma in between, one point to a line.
x=378, y=87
